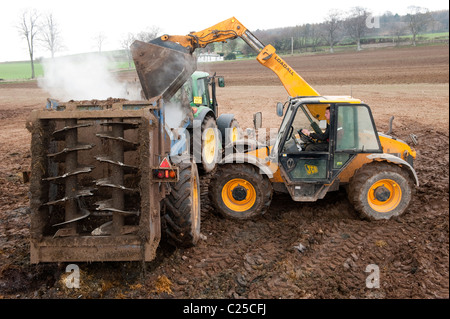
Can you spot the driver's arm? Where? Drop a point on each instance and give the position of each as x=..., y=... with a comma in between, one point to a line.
x=321, y=136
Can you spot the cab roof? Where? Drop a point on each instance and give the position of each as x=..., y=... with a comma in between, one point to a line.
x=318, y=104
x=326, y=99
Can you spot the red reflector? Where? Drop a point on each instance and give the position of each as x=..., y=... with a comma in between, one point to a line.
x=165, y=163
x=160, y=174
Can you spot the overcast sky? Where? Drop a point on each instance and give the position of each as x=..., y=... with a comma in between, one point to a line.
x=80, y=21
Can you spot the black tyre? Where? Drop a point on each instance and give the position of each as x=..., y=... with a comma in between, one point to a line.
x=380, y=190
x=239, y=191
x=181, y=221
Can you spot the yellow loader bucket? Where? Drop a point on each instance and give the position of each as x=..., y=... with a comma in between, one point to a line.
x=161, y=70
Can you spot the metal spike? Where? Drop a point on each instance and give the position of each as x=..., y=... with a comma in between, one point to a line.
x=81, y=170
x=103, y=230
x=131, y=146
x=106, y=205
x=60, y=134
x=85, y=212
x=110, y=161
x=72, y=149
x=80, y=193
x=106, y=182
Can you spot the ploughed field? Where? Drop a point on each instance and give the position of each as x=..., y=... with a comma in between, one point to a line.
x=257, y=259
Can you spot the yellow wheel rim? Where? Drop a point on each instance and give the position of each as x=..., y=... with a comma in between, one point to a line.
x=239, y=195
x=209, y=149
x=384, y=196
x=234, y=134
x=195, y=204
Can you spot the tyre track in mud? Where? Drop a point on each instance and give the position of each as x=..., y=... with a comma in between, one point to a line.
x=257, y=259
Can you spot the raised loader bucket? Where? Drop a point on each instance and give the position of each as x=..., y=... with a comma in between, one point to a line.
x=161, y=70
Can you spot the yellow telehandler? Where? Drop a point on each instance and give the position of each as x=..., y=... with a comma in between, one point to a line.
x=377, y=169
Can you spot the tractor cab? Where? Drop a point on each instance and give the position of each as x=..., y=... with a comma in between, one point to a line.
x=309, y=175
x=197, y=91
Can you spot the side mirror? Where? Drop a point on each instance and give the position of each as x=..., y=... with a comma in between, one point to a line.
x=257, y=120
x=280, y=108
x=221, y=81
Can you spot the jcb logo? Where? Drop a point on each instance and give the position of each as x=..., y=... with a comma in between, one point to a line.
x=311, y=169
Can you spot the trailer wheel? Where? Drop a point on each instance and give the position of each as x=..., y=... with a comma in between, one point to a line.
x=181, y=221
x=380, y=191
x=239, y=191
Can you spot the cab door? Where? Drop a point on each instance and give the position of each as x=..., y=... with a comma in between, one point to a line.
x=308, y=175
x=355, y=133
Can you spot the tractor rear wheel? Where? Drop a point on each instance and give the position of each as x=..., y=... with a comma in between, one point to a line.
x=380, y=191
x=181, y=221
x=239, y=191
x=209, y=144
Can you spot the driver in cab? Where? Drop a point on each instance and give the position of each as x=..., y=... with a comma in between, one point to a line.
x=321, y=139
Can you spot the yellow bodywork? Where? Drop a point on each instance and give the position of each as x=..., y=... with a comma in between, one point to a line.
x=294, y=84
x=389, y=146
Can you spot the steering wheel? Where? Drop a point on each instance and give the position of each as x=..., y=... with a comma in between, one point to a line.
x=304, y=137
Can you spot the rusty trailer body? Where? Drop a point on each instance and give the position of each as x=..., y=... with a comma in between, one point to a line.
x=93, y=196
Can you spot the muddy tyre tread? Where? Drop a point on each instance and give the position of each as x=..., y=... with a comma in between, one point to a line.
x=177, y=224
x=358, y=183
x=260, y=182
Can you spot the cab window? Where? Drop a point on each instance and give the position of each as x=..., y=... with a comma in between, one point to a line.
x=183, y=95
x=355, y=129
x=202, y=91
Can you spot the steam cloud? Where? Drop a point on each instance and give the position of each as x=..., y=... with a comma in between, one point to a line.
x=85, y=78
x=176, y=113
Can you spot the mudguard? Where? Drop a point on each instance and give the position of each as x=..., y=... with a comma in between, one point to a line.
x=224, y=122
x=198, y=120
x=396, y=160
x=240, y=158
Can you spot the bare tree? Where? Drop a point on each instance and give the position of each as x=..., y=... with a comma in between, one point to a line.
x=331, y=27
x=397, y=29
x=315, y=36
x=28, y=28
x=148, y=34
x=356, y=24
x=51, y=38
x=126, y=44
x=99, y=39
x=418, y=19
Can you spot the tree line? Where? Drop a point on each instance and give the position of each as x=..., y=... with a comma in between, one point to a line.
x=44, y=31
x=356, y=27
x=351, y=27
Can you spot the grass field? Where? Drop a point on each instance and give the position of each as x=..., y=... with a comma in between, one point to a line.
x=10, y=71
x=19, y=70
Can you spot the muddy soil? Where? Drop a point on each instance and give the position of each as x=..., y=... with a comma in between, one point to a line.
x=260, y=258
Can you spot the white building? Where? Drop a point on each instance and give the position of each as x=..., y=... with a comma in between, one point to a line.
x=209, y=57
